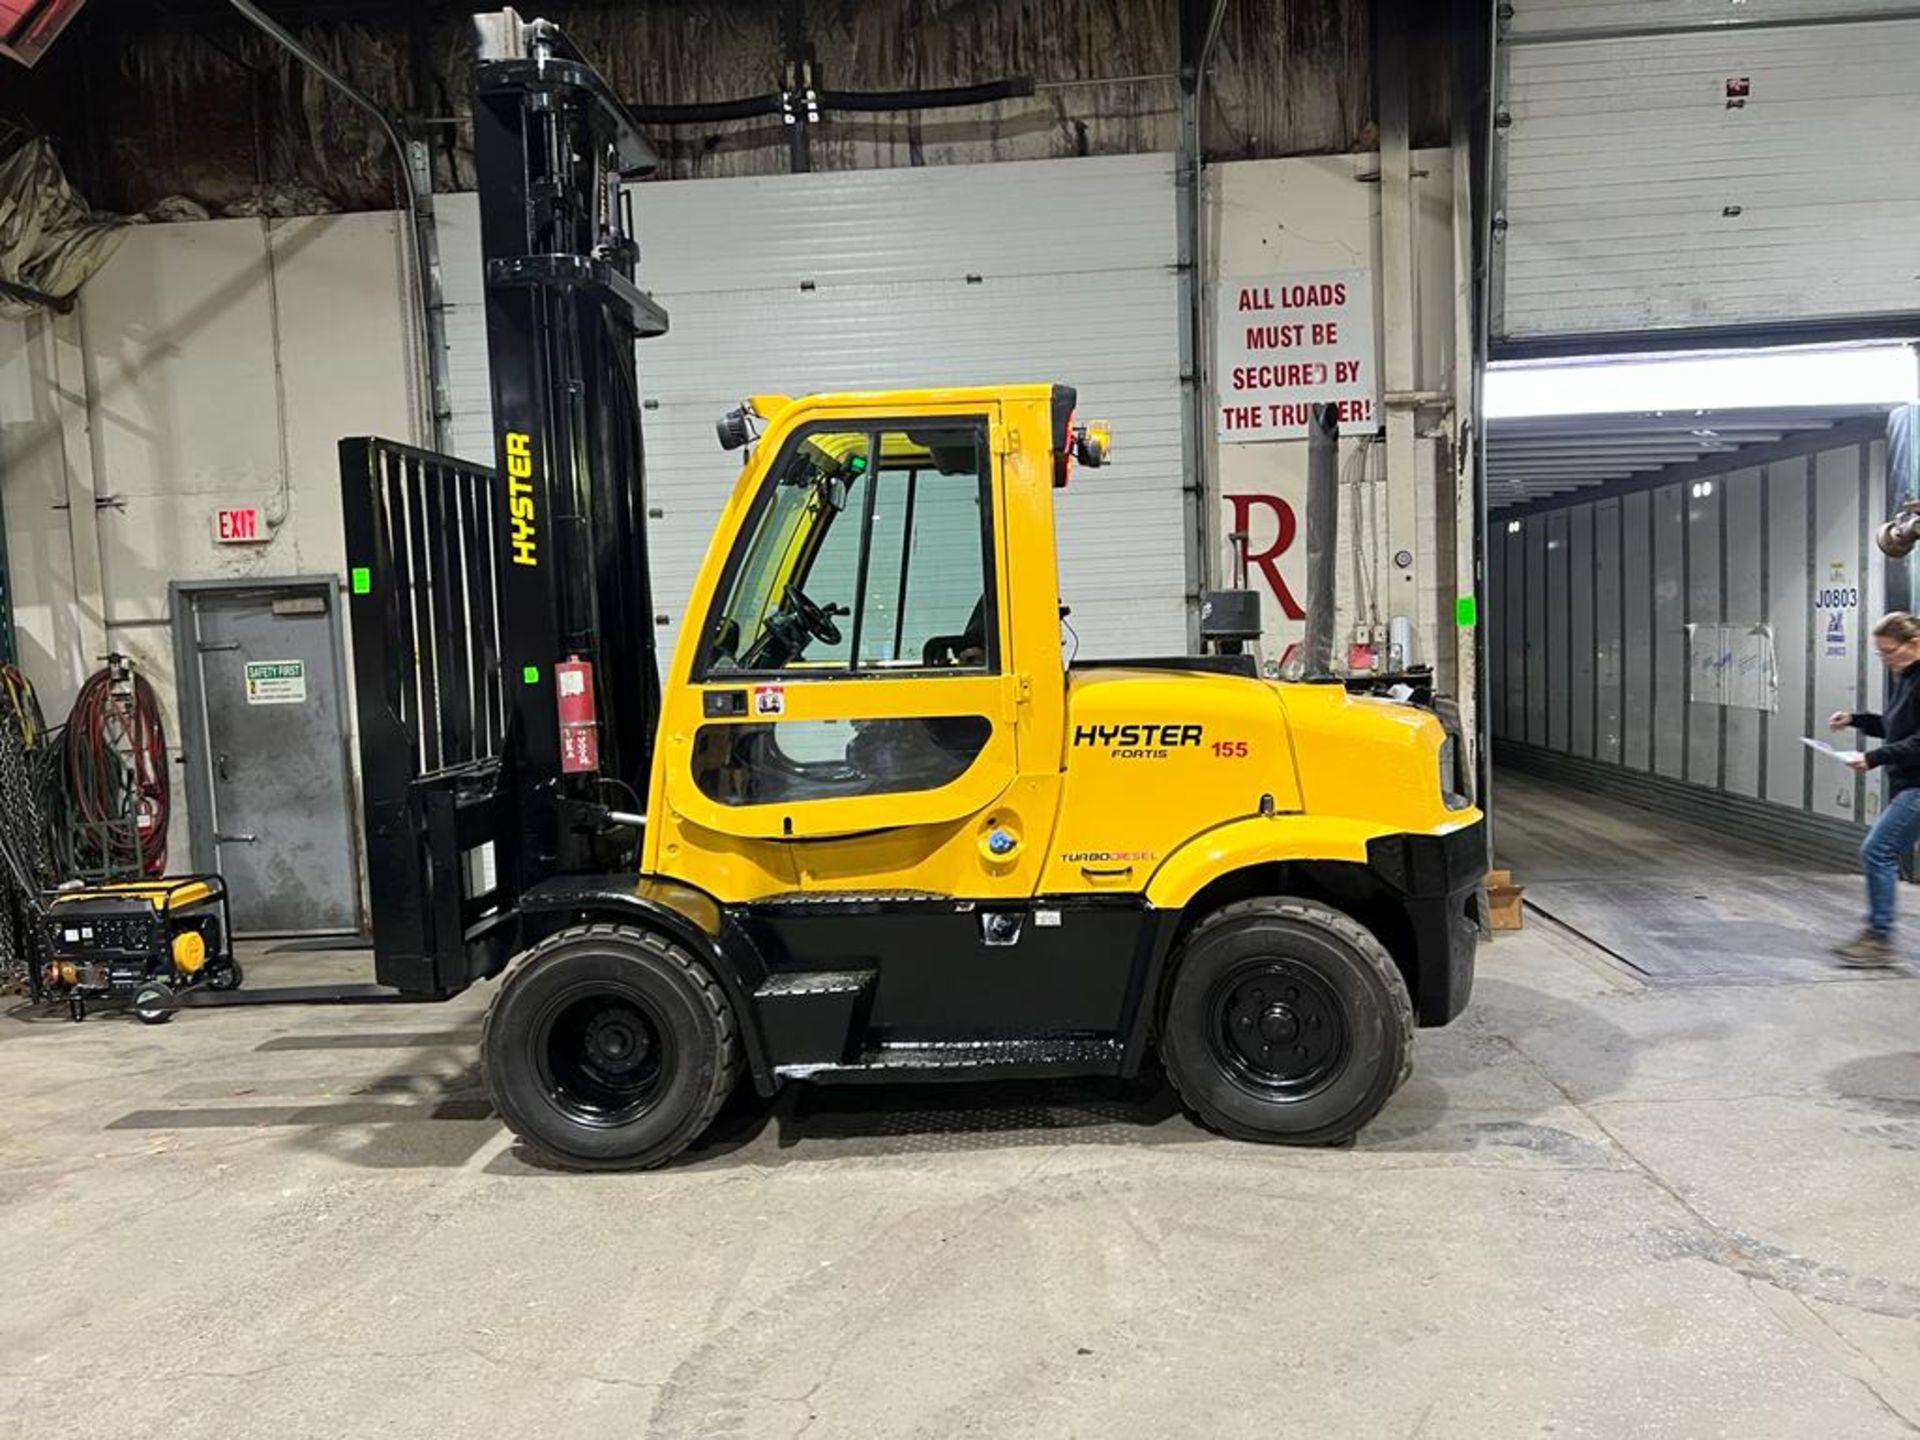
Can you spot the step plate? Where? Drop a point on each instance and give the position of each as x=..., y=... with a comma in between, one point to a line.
x=814, y=982
x=971, y=1060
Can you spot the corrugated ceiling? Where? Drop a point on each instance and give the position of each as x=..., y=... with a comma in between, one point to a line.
x=1546, y=458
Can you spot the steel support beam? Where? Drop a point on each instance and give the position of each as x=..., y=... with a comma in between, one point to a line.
x=9, y=651
x=1399, y=583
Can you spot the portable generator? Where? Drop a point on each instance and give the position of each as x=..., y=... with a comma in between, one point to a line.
x=139, y=942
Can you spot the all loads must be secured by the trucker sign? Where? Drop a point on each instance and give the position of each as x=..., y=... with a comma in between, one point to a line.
x=1286, y=343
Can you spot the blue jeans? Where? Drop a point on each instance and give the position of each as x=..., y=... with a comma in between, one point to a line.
x=1893, y=834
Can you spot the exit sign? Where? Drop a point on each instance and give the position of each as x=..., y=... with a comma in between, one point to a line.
x=239, y=527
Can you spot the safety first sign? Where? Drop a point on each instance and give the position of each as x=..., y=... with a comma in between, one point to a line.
x=276, y=682
x=1286, y=343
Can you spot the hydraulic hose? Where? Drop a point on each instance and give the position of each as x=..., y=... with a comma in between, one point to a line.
x=116, y=775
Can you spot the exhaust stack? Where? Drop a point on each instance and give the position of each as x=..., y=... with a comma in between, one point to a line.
x=1323, y=536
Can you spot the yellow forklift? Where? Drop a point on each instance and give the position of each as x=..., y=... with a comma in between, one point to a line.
x=874, y=827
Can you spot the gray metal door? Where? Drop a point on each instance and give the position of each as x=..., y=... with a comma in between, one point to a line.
x=263, y=700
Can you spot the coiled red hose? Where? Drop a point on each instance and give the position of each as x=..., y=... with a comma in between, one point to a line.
x=116, y=753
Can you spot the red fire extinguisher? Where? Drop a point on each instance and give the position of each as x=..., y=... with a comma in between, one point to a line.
x=579, y=727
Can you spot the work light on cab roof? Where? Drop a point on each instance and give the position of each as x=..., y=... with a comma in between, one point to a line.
x=1093, y=443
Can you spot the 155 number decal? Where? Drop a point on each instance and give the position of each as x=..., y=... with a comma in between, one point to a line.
x=1230, y=749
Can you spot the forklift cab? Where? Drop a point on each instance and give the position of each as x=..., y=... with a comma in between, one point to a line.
x=850, y=704
x=887, y=530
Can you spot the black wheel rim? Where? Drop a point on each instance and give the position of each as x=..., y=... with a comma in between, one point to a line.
x=1278, y=1028
x=603, y=1054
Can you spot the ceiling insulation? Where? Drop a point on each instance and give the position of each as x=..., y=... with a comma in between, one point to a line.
x=182, y=99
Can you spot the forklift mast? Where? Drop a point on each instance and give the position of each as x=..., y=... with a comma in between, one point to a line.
x=504, y=652
x=551, y=147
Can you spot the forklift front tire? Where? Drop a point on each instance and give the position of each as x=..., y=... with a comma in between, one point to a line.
x=608, y=1048
x=227, y=977
x=1287, y=1022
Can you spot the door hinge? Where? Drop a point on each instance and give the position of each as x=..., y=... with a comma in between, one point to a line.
x=1005, y=439
x=1023, y=688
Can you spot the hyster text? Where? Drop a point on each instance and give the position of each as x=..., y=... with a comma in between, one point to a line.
x=1138, y=742
x=520, y=497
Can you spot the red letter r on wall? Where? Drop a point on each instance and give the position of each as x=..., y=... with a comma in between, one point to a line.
x=1266, y=559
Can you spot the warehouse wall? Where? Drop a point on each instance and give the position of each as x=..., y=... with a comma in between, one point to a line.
x=1278, y=217
x=1263, y=218
x=866, y=280
x=1595, y=614
x=217, y=363
x=207, y=365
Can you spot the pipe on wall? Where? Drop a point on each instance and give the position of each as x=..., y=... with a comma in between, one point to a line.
x=1203, y=519
x=416, y=185
x=1196, y=157
x=865, y=102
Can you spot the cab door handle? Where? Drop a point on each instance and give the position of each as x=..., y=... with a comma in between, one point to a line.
x=1106, y=872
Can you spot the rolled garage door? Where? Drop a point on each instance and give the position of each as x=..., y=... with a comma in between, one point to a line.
x=1671, y=171
x=1051, y=270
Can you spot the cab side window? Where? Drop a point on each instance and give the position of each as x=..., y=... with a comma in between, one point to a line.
x=868, y=551
x=796, y=760
x=926, y=602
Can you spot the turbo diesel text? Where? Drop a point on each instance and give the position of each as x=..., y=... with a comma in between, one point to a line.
x=1139, y=742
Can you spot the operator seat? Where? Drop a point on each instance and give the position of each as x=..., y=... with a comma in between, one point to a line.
x=947, y=650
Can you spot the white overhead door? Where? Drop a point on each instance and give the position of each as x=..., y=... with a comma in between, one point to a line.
x=1673, y=168
x=1056, y=270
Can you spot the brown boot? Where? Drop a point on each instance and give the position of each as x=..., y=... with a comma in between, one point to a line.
x=1870, y=950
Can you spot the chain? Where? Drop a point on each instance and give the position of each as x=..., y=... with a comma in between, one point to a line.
x=26, y=838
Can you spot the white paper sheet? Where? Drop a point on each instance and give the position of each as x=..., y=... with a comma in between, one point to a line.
x=1845, y=757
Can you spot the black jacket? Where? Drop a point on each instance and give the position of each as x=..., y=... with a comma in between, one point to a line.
x=1899, y=726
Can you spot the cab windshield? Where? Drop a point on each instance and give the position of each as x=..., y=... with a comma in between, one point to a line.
x=868, y=551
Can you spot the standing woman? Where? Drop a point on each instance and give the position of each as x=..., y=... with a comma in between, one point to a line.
x=1897, y=638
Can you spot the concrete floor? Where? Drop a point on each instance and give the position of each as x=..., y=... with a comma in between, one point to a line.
x=1599, y=1208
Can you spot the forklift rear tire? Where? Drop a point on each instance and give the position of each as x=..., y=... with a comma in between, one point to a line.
x=608, y=1048
x=154, y=1005
x=1287, y=1022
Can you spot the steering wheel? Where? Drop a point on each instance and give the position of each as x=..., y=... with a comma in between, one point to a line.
x=817, y=619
